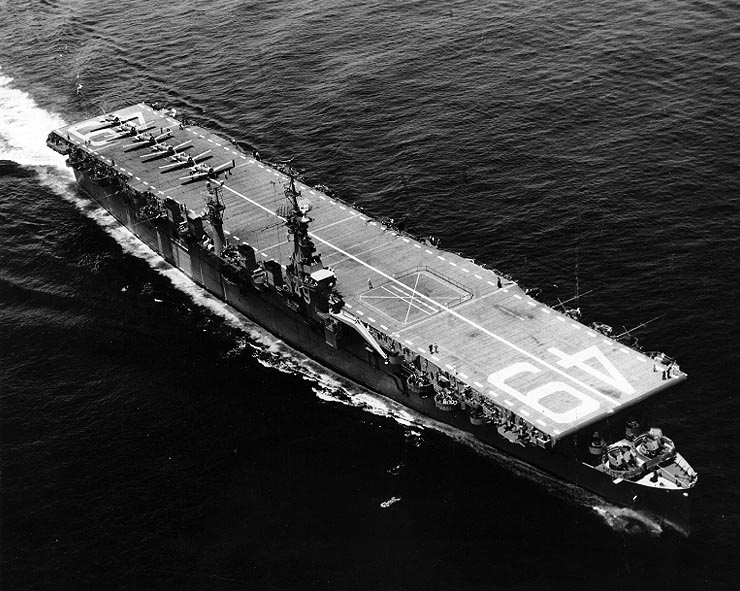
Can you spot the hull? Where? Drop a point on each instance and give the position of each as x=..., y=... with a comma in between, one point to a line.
x=357, y=362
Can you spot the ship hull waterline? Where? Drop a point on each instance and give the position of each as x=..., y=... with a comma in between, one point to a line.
x=670, y=507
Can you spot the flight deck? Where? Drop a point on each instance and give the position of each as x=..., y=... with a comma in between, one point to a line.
x=471, y=323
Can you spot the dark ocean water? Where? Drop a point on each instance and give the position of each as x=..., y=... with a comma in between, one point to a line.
x=153, y=440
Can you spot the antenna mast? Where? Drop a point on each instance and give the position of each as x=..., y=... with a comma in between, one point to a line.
x=578, y=297
x=214, y=213
x=304, y=258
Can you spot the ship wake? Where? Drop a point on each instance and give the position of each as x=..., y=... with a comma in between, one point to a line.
x=23, y=130
x=628, y=521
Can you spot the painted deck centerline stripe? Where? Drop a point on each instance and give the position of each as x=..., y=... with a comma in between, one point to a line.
x=441, y=308
x=333, y=224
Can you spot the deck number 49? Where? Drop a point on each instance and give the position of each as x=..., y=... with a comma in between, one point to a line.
x=558, y=401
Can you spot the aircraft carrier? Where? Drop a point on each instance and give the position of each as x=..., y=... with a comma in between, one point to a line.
x=437, y=332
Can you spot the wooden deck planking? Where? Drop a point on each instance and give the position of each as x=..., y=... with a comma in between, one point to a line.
x=492, y=330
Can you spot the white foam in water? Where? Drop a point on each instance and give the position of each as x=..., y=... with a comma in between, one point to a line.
x=628, y=521
x=389, y=502
x=24, y=127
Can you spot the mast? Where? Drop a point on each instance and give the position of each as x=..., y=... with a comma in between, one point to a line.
x=304, y=258
x=214, y=213
x=578, y=287
x=310, y=280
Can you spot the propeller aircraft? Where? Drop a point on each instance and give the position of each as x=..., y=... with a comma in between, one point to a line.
x=183, y=160
x=202, y=171
x=111, y=120
x=162, y=150
x=142, y=141
x=130, y=130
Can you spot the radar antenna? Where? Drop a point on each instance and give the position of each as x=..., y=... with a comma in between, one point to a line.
x=627, y=338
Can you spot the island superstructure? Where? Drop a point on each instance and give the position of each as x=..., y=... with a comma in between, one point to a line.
x=431, y=329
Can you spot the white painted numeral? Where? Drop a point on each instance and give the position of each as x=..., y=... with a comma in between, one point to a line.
x=564, y=403
x=611, y=376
